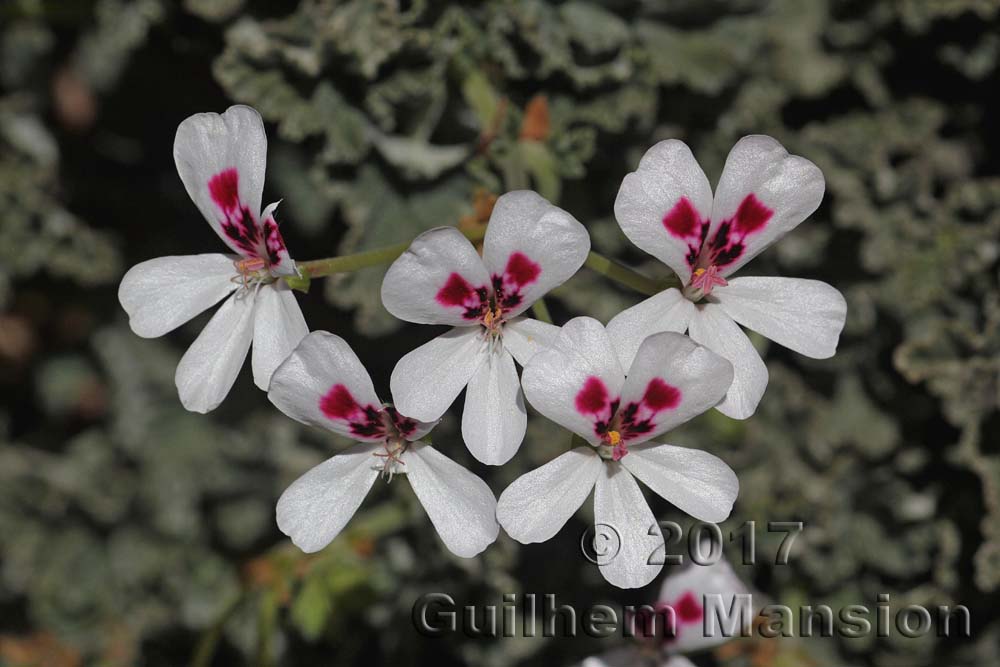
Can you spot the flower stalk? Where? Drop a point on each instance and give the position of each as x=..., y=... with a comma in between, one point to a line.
x=319, y=268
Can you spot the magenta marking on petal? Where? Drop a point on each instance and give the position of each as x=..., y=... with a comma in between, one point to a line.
x=364, y=421
x=729, y=241
x=224, y=189
x=521, y=270
x=338, y=403
x=661, y=396
x=273, y=242
x=687, y=608
x=593, y=398
x=457, y=292
x=404, y=425
x=238, y=223
x=752, y=215
x=637, y=419
x=683, y=220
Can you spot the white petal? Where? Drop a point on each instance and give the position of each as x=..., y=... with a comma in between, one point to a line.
x=537, y=504
x=523, y=337
x=663, y=205
x=555, y=378
x=679, y=661
x=209, y=368
x=323, y=383
x=630, y=655
x=461, y=506
x=763, y=194
x=439, y=280
x=418, y=429
x=697, y=482
x=317, y=506
x=161, y=294
x=221, y=160
x=666, y=311
x=618, y=503
x=713, y=328
x=277, y=328
x=701, y=581
x=494, y=418
x=671, y=380
x=208, y=143
x=803, y=315
x=427, y=380
x=532, y=247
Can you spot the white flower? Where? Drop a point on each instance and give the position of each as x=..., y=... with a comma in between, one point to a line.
x=687, y=595
x=221, y=161
x=530, y=247
x=323, y=383
x=579, y=383
x=666, y=208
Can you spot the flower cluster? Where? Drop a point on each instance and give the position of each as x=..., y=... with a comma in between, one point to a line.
x=618, y=388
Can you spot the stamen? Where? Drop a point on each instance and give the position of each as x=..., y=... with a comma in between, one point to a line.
x=492, y=317
x=613, y=442
x=251, y=272
x=619, y=451
x=393, y=451
x=703, y=281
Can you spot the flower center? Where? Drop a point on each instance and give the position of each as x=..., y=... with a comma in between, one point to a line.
x=613, y=443
x=396, y=428
x=390, y=461
x=703, y=281
x=252, y=271
x=493, y=318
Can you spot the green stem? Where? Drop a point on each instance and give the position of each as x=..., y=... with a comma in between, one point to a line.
x=205, y=649
x=318, y=268
x=625, y=276
x=267, y=614
x=541, y=311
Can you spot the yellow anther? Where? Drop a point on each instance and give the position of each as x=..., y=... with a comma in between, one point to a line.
x=698, y=272
x=492, y=316
x=614, y=437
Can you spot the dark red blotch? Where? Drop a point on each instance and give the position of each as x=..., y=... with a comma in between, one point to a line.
x=729, y=241
x=682, y=220
x=521, y=270
x=457, y=292
x=752, y=215
x=687, y=608
x=364, y=421
x=661, y=396
x=224, y=188
x=593, y=398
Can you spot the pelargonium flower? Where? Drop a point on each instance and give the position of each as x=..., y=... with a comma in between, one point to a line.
x=221, y=161
x=687, y=595
x=683, y=597
x=578, y=382
x=667, y=209
x=322, y=383
x=530, y=247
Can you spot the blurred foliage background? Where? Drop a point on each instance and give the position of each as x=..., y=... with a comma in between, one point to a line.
x=132, y=532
